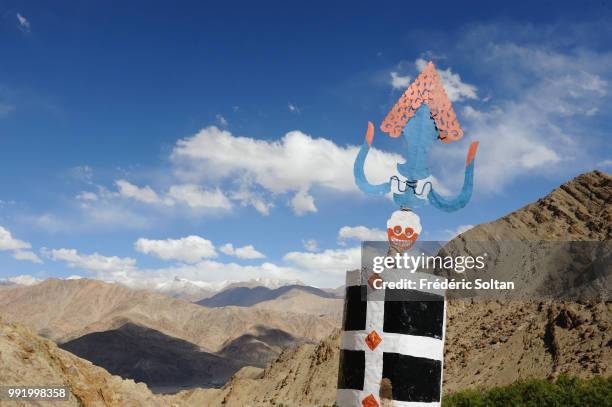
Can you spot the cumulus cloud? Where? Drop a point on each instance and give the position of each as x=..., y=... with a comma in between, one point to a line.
x=8, y=242
x=245, y=252
x=331, y=261
x=536, y=129
x=361, y=233
x=91, y=262
x=190, y=249
x=247, y=196
x=19, y=248
x=143, y=194
x=22, y=279
x=294, y=164
x=26, y=255
x=455, y=88
x=303, y=203
x=191, y=195
x=399, y=82
x=196, y=197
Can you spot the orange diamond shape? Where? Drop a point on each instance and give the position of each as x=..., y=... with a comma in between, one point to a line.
x=373, y=278
x=373, y=340
x=369, y=401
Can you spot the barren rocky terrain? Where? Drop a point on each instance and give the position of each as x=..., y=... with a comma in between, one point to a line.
x=488, y=343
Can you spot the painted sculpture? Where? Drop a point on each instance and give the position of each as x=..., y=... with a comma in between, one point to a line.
x=392, y=351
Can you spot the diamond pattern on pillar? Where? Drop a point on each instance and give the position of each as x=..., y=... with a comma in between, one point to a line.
x=369, y=401
x=373, y=340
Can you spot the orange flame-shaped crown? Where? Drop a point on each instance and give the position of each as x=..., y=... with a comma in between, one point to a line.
x=426, y=88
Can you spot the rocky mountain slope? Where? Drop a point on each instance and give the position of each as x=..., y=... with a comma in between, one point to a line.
x=28, y=359
x=249, y=296
x=164, y=363
x=303, y=301
x=63, y=310
x=300, y=376
x=580, y=209
x=148, y=336
x=488, y=343
x=557, y=247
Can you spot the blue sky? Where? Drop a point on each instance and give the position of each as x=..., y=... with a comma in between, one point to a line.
x=127, y=128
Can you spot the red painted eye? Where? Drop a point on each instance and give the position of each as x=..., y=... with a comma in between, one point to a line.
x=409, y=231
x=397, y=230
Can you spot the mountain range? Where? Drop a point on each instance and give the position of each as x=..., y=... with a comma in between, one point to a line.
x=86, y=316
x=488, y=343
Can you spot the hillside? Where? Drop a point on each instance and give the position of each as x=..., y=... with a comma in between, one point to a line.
x=580, y=209
x=166, y=342
x=305, y=302
x=300, y=376
x=249, y=296
x=28, y=359
x=164, y=363
x=63, y=310
x=488, y=344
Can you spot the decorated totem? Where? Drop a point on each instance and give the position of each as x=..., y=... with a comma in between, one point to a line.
x=392, y=349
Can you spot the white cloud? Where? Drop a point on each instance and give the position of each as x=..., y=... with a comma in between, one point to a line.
x=23, y=279
x=19, y=248
x=399, y=82
x=91, y=262
x=335, y=262
x=8, y=242
x=245, y=252
x=303, y=203
x=190, y=249
x=247, y=196
x=536, y=130
x=254, y=173
x=311, y=245
x=361, y=233
x=27, y=255
x=143, y=194
x=24, y=24
x=455, y=88
x=294, y=163
x=191, y=195
x=196, y=197
x=221, y=120
x=206, y=273
x=87, y=196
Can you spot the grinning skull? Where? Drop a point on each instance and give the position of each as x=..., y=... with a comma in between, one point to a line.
x=403, y=229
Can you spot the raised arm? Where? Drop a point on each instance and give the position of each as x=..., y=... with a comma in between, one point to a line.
x=358, y=171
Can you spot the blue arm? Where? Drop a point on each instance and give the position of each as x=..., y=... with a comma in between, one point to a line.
x=450, y=205
x=360, y=178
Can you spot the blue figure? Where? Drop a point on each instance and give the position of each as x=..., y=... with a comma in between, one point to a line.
x=420, y=133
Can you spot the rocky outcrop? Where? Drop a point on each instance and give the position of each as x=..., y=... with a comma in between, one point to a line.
x=27, y=359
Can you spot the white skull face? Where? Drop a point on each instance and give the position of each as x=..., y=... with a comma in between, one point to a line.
x=403, y=229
